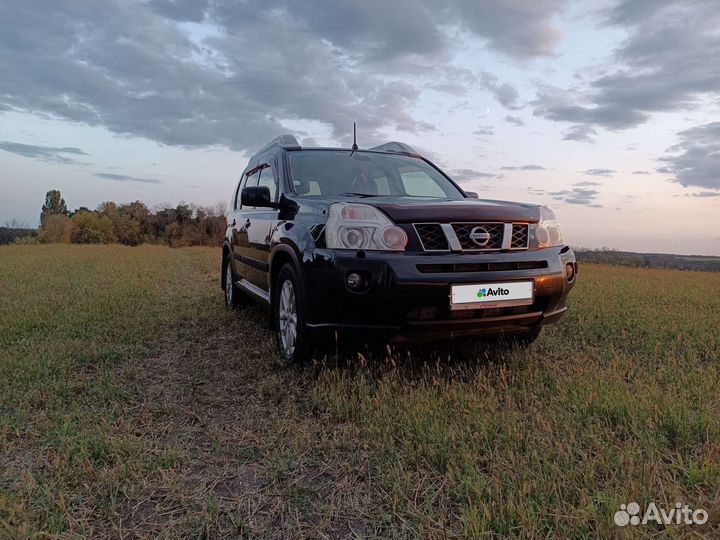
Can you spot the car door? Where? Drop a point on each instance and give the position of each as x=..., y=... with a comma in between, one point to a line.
x=233, y=219
x=241, y=243
x=259, y=223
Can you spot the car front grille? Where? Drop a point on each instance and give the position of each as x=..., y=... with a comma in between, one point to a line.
x=519, y=236
x=475, y=236
x=442, y=313
x=480, y=267
x=432, y=237
x=465, y=232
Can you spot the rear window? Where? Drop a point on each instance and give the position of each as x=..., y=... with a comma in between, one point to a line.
x=335, y=172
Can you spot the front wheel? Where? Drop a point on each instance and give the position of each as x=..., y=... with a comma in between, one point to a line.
x=291, y=334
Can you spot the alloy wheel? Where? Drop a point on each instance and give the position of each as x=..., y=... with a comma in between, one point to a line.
x=288, y=318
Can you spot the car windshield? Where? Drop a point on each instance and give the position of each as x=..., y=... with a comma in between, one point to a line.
x=370, y=174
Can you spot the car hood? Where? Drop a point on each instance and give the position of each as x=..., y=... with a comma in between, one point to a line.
x=414, y=210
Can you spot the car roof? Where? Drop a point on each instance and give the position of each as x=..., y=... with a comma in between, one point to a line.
x=289, y=142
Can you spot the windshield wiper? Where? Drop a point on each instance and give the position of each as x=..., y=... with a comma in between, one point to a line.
x=358, y=194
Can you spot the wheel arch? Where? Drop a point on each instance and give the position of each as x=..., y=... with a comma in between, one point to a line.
x=281, y=255
x=226, y=253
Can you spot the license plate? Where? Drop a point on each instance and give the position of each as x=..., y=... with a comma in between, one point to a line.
x=490, y=295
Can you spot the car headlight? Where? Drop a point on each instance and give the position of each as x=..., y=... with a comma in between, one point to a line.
x=548, y=232
x=361, y=226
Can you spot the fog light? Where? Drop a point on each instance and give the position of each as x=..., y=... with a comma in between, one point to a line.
x=354, y=280
x=570, y=272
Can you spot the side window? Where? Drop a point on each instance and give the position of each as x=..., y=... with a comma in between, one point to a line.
x=419, y=184
x=267, y=178
x=241, y=184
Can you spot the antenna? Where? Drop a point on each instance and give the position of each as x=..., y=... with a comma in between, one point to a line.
x=354, y=146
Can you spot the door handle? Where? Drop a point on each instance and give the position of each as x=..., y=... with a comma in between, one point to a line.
x=247, y=223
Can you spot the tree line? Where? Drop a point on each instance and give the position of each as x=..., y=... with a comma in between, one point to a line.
x=12, y=230
x=130, y=224
x=648, y=260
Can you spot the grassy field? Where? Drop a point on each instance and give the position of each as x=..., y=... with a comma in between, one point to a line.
x=133, y=405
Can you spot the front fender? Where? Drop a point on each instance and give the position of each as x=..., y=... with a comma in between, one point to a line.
x=290, y=242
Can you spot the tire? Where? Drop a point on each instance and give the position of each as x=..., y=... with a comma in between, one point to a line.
x=292, y=337
x=234, y=298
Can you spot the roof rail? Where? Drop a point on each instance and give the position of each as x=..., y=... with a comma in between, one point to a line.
x=286, y=141
x=396, y=148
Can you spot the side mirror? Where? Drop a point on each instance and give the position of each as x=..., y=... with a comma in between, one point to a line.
x=256, y=196
x=472, y=195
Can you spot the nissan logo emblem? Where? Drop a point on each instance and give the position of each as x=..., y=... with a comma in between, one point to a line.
x=480, y=236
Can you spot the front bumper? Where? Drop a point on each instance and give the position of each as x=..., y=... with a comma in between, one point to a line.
x=408, y=293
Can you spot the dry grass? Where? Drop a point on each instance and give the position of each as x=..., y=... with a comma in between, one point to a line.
x=132, y=405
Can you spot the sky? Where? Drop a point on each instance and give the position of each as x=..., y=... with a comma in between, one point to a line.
x=605, y=111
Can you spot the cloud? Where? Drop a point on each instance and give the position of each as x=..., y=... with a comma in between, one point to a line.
x=695, y=160
x=244, y=70
x=484, y=130
x=126, y=178
x=706, y=194
x=565, y=110
x=577, y=194
x=453, y=88
x=580, y=134
x=180, y=10
x=599, y=172
x=467, y=175
x=309, y=142
x=514, y=120
x=505, y=93
x=641, y=172
x=661, y=66
x=583, y=197
x=50, y=154
x=518, y=29
x=586, y=183
x=524, y=168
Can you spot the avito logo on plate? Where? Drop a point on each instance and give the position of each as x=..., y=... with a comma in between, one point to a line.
x=492, y=292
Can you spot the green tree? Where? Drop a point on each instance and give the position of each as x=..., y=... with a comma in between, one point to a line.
x=129, y=231
x=58, y=229
x=54, y=205
x=92, y=228
x=109, y=209
x=134, y=224
x=77, y=211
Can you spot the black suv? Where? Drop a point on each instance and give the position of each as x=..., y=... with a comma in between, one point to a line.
x=382, y=240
